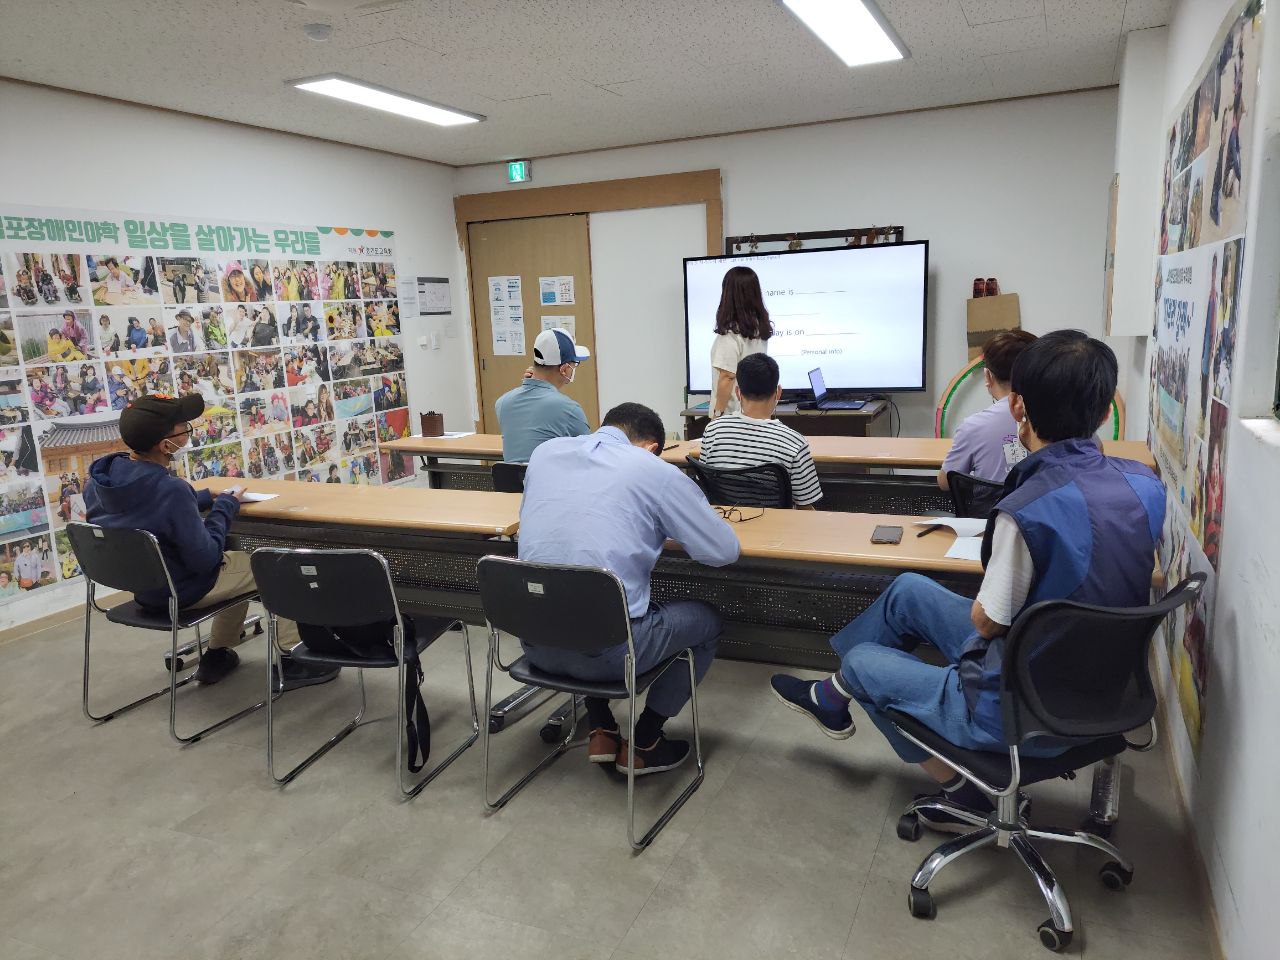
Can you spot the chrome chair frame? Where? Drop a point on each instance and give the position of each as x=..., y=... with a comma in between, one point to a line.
x=171, y=690
x=629, y=680
x=407, y=790
x=1007, y=827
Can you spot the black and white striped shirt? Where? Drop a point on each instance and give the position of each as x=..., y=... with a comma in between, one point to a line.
x=736, y=440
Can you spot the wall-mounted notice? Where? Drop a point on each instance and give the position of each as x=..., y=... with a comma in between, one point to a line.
x=554, y=291
x=433, y=296
x=566, y=324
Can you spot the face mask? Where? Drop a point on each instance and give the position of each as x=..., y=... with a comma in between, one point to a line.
x=179, y=451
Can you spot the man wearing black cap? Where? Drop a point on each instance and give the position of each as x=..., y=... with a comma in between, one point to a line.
x=136, y=490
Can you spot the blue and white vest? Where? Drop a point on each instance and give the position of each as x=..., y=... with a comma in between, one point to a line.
x=1091, y=524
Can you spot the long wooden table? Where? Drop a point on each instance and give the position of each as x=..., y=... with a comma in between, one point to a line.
x=852, y=468
x=801, y=576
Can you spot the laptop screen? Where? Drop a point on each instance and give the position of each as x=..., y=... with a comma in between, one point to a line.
x=818, y=384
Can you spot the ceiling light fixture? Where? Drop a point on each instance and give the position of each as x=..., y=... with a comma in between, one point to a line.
x=855, y=30
x=380, y=98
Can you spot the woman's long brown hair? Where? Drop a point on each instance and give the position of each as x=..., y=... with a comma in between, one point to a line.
x=742, y=309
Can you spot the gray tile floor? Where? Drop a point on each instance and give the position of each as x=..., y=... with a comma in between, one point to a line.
x=116, y=843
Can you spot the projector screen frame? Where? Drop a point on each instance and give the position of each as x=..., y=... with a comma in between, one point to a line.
x=801, y=393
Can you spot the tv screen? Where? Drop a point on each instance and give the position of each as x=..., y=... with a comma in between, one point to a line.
x=856, y=312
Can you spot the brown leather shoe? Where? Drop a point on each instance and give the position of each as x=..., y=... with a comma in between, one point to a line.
x=663, y=755
x=602, y=745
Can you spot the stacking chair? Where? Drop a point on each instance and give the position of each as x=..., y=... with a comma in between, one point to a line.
x=1074, y=672
x=121, y=558
x=349, y=588
x=972, y=496
x=528, y=600
x=508, y=477
x=765, y=485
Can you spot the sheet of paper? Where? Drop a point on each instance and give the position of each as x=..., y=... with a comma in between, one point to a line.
x=553, y=291
x=963, y=526
x=567, y=324
x=433, y=296
x=458, y=435
x=966, y=548
x=248, y=497
x=507, y=322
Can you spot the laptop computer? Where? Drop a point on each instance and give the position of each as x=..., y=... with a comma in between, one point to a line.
x=823, y=402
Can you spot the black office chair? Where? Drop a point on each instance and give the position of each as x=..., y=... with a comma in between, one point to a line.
x=972, y=496
x=349, y=588
x=765, y=485
x=508, y=477
x=530, y=601
x=126, y=559
x=1072, y=671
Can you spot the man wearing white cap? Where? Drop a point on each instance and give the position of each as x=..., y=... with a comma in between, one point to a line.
x=536, y=410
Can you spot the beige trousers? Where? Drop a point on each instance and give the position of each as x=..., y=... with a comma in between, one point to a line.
x=234, y=579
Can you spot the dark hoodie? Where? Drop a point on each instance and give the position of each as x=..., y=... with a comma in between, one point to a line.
x=135, y=493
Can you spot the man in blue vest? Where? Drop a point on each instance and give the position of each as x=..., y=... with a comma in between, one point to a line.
x=1072, y=524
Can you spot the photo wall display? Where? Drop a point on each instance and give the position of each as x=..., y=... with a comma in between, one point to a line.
x=291, y=334
x=1202, y=239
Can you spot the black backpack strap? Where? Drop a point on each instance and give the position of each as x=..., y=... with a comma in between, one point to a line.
x=417, y=722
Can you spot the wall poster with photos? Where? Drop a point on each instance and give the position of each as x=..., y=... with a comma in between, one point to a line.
x=291, y=334
x=1202, y=238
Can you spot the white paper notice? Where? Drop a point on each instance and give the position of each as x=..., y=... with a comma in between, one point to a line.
x=567, y=324
x=433, y=296
x=966, y=548
x=498, y=289
x=553, y=291
x=963, y=526
x=507, y=321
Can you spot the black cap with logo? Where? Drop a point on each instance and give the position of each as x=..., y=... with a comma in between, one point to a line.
x=148, y=420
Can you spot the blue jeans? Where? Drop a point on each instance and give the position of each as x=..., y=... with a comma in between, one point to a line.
x=878, y=668
x=663, y=631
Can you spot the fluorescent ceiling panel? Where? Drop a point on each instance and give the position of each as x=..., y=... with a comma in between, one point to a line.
x=854, y=29
x=380, y=98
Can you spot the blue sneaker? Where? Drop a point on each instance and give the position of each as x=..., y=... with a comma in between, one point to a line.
x=798, y=695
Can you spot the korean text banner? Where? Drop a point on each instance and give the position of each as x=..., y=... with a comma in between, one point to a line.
x=290, y=333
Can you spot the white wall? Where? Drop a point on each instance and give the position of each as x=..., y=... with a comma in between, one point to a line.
x=77, y=151
x=1016, y=190
x=1231, y=792
x=637, y=286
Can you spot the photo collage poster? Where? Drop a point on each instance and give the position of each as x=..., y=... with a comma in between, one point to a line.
x=291, y=334
x=1207, y=175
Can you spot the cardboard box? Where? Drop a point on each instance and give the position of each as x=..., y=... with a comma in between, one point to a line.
x=989, y=316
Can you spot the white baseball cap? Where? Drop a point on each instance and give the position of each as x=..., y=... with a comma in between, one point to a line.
x=551, y=348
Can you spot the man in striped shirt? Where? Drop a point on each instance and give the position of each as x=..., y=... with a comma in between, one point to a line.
x=751, y=436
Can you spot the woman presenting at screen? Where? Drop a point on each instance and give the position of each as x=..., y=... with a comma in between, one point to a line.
x=742, y=328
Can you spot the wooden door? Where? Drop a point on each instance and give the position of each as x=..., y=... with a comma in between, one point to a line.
x=531, y=249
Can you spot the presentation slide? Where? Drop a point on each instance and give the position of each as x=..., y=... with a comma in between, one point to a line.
x=856, y=312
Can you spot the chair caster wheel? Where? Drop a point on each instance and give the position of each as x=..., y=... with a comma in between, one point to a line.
x=920, y=903
x=551, y=733
x=178, y=664
x=496, y=723
x=1053, y=938
x=1114, y=876
x=909, y=827
x=257, y=629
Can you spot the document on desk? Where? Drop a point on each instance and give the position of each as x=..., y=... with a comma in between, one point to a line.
x=963, y=526
x=248, y=497
x=966, y=548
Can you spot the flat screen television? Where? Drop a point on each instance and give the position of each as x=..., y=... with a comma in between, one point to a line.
x=856, y=312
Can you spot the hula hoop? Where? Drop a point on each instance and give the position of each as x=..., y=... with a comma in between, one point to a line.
x=943, y=408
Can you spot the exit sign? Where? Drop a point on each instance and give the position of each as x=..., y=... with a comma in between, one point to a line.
x=519, y=171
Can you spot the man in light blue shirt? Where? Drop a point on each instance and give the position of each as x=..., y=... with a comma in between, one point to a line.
x=609, y=500
x=536, y=410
